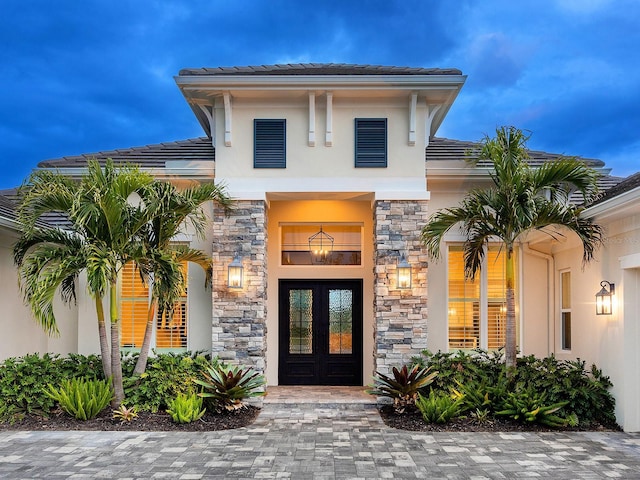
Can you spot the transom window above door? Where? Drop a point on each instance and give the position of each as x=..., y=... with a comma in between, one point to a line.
x=321, y=244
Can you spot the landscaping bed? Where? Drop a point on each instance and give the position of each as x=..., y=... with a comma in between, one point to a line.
x=145, y=421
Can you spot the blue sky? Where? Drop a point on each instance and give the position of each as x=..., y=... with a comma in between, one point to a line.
x=80, y=77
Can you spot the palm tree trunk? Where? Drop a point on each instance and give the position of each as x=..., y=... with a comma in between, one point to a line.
x=141, y=364
x=104, y=343
x=116, y=364
x=510, y=344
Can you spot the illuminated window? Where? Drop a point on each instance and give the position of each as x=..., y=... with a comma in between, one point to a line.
x=345, y=250
x=565, y=310
x=170, y=331
x=477, y=309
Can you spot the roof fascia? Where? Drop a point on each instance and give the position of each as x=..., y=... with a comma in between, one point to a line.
x=272, y=82
x=618, y=206
x=188, y=173
x=10, y=224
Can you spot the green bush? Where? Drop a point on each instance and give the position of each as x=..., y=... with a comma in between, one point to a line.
x=24, y=379
x=186, y=408
x=404, y=387
x=481, y=377
x=439, y=407
x=83, y=399
x=526, y=405
x=167, y=375
x=227, y=386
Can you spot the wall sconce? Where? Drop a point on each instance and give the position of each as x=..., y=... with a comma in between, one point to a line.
x=235, y=272
x=404, y=273
x=604, y=298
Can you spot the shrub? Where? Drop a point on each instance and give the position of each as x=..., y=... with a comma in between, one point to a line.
x=167, y=375
x=83, y=399
x=226, y=386
x=23, y=379
x=527, y=405
x=186, y=408
x=404, y=387
x=439, y=407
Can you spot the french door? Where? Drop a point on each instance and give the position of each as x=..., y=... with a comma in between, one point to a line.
x=320, y=332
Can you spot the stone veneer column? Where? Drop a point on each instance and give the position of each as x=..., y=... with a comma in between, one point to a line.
x=239, y=316
x=400, y=315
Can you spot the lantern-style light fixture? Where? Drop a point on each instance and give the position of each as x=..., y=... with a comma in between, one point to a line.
x=320, y=247
x=404, y=273
x=235, y=272
x=604, y=298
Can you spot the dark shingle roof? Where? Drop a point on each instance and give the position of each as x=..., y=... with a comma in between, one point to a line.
x=319, y=69
x=447, y=149
x=148, y=156
x=7, y=208
x=10, y=199
x=626, y=185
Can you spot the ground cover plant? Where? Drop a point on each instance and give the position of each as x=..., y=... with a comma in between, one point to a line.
x=472, y=391
x=61, y=393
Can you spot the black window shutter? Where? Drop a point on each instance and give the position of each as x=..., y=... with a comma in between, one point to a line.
x=371, y=142
x=270, y=143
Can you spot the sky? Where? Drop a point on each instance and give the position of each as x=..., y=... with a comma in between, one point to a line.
x=82, y=77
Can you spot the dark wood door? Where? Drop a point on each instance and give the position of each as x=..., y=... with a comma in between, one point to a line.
x=320, y=332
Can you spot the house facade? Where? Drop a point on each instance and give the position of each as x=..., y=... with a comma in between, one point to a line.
x=319, y=274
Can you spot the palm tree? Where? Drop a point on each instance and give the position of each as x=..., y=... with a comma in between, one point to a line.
x=173, y=210
x=521, y=199
x=103, y=235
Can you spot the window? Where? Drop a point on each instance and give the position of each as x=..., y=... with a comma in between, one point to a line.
x=346, y=248
x=477, y=309
x=371, y=142
x=565, y=310
x=134, y=306
x=270, y=143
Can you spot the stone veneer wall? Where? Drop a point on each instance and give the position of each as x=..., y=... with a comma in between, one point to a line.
x=400, y=315
x=239, y=316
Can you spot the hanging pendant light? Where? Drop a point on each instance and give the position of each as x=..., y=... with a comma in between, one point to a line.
x=320, y=247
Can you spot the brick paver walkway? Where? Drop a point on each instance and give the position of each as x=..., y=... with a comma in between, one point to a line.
x=318, y=441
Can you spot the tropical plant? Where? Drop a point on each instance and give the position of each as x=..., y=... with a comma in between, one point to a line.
x=83, y=399
x=227, y=386
x=102, y=235
x=186, y=408
x=167, y=375
x=521, y=199
x=404, y=387
x=438, y=407
x=173, y=210
x=527, y=405
x=125, y=414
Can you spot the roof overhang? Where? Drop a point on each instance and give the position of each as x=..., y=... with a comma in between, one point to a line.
x=203, y=90
x=620, y=206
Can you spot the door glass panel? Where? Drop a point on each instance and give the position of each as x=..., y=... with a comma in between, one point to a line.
x=300, y=321
x=340, y=321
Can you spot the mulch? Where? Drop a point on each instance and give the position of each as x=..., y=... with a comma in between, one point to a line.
x=145, y=421
x=413, y=421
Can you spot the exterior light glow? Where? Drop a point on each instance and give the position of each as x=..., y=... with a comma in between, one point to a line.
x=235, y=273
x=604, y=298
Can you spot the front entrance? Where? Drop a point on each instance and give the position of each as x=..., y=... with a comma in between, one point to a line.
x=320, y=332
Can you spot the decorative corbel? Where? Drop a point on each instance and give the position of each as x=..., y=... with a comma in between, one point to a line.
x=431, y=113
x=210, y=114
x=328, y=141
x=312, y=119
x=227, y=118
x=413, y=104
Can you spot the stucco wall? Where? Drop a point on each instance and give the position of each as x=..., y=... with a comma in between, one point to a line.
x=234, y=164
x=26, y=335
x=609, y=341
